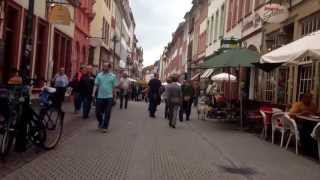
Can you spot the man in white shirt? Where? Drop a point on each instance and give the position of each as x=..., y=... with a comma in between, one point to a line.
x=124, y=86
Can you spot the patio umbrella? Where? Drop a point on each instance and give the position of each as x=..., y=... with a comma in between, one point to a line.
x=224, y=77
x=307, y=46
x=232, y=58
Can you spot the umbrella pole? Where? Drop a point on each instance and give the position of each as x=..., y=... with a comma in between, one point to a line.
x=241, y=100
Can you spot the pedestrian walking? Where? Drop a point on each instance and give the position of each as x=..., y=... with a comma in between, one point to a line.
x=174, y=99
x=154, y=96
x=61, y=83
x=187, y=95
x=86, y=86
x=166, y=109
x=105, y=84
x=74, y=84
x=124, y=86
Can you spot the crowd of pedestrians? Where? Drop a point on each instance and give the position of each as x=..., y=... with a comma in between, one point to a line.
x=104, y=88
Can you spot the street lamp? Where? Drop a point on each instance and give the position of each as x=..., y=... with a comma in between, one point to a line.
x=115, y=41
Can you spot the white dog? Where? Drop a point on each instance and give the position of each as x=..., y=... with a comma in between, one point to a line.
x=203, y=108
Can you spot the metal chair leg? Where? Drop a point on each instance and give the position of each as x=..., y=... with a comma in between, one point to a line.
x=289, y=140
x=272, y=137
x=297, y=146
x=282, y=138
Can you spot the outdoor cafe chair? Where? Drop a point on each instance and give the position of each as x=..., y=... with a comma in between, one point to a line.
x=267, y=119
x=292, y=127
x=277, y=125
x=264, y=131
x=316, y=135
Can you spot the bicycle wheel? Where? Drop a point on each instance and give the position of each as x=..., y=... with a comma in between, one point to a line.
x=6, y=136
x=52, y=120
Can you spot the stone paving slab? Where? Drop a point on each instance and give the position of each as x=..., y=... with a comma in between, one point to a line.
x=140, y=148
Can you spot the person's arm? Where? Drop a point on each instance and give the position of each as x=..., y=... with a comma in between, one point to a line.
x=96, y=86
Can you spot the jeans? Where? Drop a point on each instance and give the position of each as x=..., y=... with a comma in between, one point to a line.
x=124, y=97
x=86, y=106
x=77, y=101
x=185, y=108
x=152, y=107
x=166, y=109
x=103, y=112
x=60, y=93
x=173, y=114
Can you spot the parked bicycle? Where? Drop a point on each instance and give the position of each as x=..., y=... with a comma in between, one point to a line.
x=21, y=124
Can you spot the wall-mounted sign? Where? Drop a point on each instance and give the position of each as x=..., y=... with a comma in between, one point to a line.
x=274, y=13
x=229, y=43
x=251, y=22
x=59, y=14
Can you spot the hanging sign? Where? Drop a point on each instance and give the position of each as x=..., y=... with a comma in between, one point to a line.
x=274, y=13
x=59, y=14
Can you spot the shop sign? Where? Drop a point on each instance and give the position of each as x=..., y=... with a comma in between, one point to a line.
x=229, y=43
x=251, y=22
x=274, y=13
x=59, y=14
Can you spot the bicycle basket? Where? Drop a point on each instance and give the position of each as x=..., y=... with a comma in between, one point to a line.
x=47, y=98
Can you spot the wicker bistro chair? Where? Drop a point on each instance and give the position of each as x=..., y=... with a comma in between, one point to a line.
x=292, y=127
x=277, y=125
x=316, y=135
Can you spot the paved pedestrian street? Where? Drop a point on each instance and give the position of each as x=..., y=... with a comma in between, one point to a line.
x=140, y=148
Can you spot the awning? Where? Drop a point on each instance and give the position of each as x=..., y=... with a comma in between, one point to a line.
x=232, y=58
x=207, y=74
x=307, y=46
x=195, y=77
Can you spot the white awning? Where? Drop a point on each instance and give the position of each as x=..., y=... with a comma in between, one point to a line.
x=207, y=73
x=309, y=45
x=195, y=76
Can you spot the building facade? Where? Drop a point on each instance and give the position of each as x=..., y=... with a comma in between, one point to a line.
x=288, y=83
x=100, y=33
x=52, y=43
x=81, y=43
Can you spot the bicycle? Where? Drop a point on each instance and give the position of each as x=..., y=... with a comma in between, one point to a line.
x=22, y=126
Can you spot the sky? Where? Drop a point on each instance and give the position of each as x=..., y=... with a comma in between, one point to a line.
x=156, y=20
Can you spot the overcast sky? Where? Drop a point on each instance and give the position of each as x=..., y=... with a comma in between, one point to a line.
x=156, y=21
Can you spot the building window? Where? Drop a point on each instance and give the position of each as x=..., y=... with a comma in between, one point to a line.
x=208, y=33
x=248, y=5
x=305, y=79
x=222, y=21
x=216, y=26
x=282, y=91
x=310, y=24
x=259, y=3
x=234, y=14
x=229, y=21
x=240, y=11
x=211, y=29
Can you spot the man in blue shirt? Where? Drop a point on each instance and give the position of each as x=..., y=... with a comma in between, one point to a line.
x=105, y=83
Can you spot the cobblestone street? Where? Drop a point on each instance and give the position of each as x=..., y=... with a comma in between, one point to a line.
x=140, y=148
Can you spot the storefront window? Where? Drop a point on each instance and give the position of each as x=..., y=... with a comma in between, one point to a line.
x=269, y=86
x=282, y=92
x=305, y=80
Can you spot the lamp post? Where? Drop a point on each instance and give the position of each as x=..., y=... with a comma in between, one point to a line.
x=114, y=40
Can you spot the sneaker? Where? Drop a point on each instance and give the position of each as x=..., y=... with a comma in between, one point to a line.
x=103, y=130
